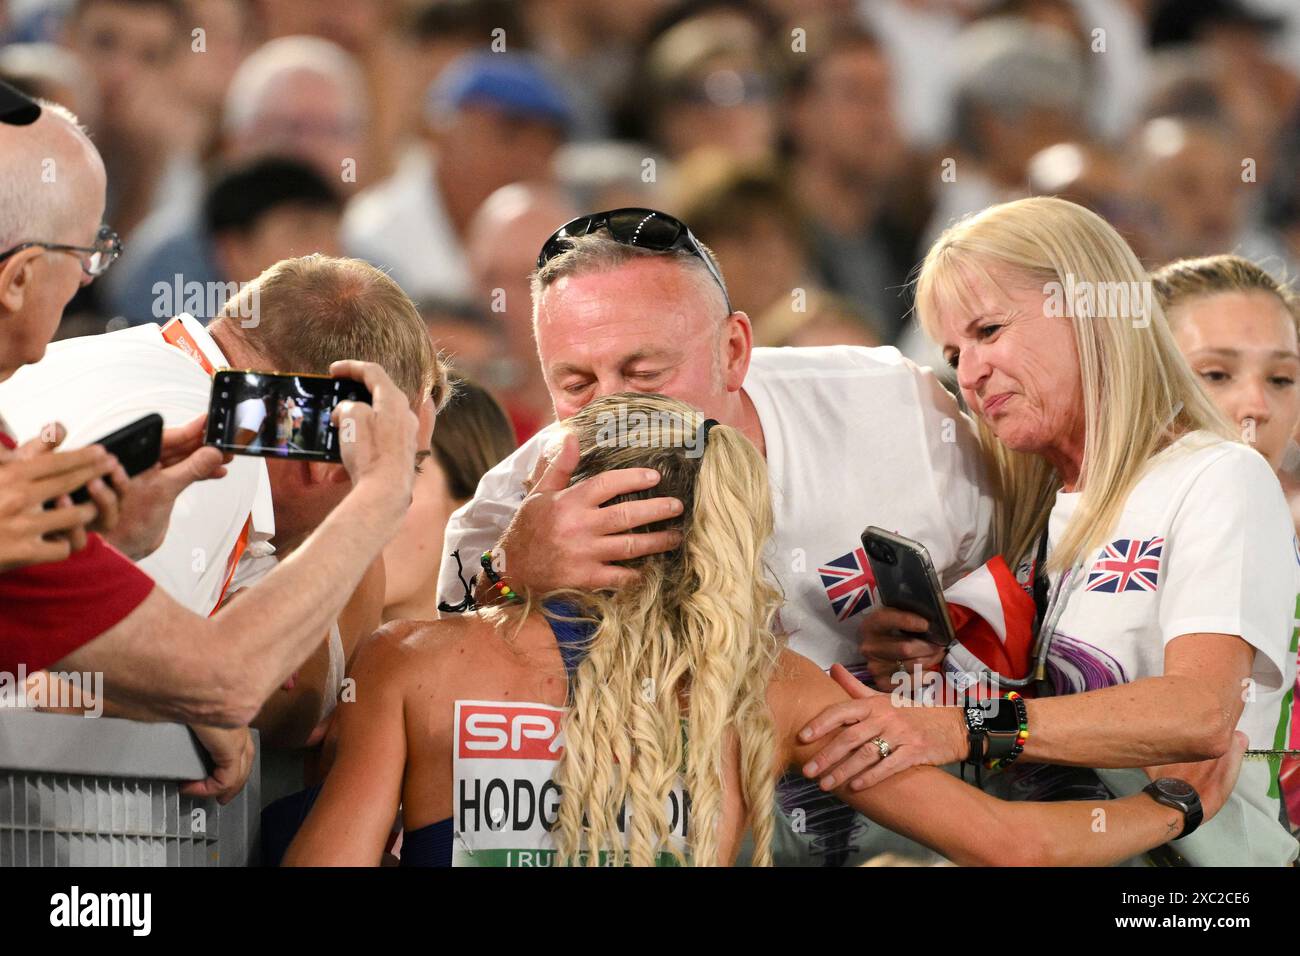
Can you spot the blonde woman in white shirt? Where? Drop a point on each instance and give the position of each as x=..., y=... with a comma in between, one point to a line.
x=1171, y=575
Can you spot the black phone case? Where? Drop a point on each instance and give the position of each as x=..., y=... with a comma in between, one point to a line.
x=137, y=446
x=911, y=584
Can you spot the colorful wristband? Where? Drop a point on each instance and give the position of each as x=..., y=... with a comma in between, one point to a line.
x=497, y=581
x=1004, y=745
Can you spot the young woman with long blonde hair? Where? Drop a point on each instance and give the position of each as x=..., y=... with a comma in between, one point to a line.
x=678, y=685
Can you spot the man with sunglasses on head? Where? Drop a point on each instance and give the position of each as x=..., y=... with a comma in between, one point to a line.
x=629, y=300
x=71, y=601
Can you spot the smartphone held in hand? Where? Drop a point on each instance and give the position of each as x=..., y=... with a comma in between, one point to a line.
x=136, y=446
x=906, y=580
x=278, y=415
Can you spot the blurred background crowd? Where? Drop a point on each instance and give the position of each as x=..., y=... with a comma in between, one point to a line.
x=818, y=146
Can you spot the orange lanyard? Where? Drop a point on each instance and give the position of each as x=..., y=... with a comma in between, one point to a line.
x=175, y=333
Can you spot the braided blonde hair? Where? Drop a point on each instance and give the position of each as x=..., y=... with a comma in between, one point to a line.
x=678, y=664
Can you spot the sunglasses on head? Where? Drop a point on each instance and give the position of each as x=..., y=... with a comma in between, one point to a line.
x=644, y=228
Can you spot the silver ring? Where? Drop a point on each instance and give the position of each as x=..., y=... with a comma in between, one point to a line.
x=883, y=746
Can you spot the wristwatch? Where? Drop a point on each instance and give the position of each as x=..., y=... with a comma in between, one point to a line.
x=1180, y=795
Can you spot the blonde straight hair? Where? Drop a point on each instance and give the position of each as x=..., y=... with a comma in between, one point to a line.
x=677, y=669
x=1138, y=392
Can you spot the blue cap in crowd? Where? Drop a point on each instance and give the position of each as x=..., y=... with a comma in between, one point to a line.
x=511, y=83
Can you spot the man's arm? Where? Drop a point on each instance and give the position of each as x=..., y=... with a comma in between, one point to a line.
x=230, y=750
x=218, y=671
x=562, y=536
x=176, y=665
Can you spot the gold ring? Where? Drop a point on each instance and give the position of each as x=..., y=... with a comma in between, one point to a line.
x=882, y=745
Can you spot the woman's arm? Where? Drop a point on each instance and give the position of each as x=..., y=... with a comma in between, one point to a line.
x=353, y=816
x=1186, y=714
x=972, y=828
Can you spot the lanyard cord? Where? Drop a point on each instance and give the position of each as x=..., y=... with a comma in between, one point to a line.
x=1060, y=597
x=467, y=603
x=1049, y=614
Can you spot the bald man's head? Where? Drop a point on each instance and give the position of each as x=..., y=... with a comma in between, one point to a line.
x=51, y=177
x=52, y=187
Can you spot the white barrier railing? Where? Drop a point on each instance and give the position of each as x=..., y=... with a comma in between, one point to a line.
x=106, y=792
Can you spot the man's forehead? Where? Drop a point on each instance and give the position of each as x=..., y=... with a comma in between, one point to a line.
x=643, y=285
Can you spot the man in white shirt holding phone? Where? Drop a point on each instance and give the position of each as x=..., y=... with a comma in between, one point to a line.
x=91, y=609
x=227, y=534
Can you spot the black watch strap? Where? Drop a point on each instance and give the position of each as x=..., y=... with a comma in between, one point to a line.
x=1180, y=795
x=998, y=720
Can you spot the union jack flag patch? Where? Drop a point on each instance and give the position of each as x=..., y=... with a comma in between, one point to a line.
x=848, y=582
x=1128, y=564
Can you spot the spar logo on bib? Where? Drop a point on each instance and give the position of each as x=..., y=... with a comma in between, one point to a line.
x=508, y=732
x=504, y=801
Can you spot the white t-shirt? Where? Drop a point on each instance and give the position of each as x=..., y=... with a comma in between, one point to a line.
x=96, y=384
x=1204, y=545
x=855, y=437
x=249, y=415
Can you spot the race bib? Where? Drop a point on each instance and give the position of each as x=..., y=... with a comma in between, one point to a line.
x=504, y=801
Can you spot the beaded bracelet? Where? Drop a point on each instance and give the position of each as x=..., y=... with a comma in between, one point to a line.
x=497, y=581
x=1022, y=733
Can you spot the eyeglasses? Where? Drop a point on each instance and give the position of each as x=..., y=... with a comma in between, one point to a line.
x=644, y=228
x=95, y=259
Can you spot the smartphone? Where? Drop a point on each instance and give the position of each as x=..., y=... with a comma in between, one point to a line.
x=905, y=579
x=137, y=447
x=278, y=415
